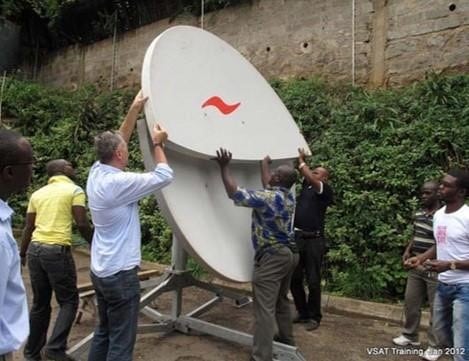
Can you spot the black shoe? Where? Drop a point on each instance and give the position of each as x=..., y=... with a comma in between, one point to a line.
x=311, y=325
x=277, y=338
x=57, y=356
x=299, y=319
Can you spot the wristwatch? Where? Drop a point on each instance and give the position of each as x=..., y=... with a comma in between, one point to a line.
x=452, y=265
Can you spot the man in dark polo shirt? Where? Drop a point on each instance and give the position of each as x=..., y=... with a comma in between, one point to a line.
x=315, y=196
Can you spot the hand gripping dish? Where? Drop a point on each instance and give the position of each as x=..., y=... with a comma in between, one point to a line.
x=207, y=95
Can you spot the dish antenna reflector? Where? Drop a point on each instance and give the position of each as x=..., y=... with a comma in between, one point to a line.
x=207, y=96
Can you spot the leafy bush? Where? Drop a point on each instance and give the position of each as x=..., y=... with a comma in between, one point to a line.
x=62, y=125
x=380, y=146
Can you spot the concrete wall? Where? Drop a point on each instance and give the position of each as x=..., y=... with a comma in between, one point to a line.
x=395, y=41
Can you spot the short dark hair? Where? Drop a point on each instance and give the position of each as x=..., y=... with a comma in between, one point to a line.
x=432, y=184
x=287, y=175
x=10, y=147
x=462, y=178
x=55, y=167
x=106, y=143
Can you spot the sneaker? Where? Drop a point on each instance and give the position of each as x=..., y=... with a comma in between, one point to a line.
x=432, y=354
x=404, y=341
x=57, y=356
x=311, y=325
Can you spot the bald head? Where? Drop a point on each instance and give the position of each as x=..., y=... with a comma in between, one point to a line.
x=59, y=167
x=321, y=173
x=283, y=176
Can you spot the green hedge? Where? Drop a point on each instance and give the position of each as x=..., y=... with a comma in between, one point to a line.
x=380, y=146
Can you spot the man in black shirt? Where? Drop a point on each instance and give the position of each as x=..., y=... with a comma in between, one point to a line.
x=315, y=196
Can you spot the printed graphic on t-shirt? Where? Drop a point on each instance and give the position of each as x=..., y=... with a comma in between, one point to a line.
x=441, y=232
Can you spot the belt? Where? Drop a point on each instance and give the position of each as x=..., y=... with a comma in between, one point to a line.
x=51, y=246
x=312, y=234
x=269, y=249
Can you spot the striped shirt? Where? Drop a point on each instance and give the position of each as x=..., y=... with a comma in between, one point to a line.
x=423, y=232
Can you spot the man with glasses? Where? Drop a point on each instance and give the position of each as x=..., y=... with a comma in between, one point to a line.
x=16, y=159
x=47, y=239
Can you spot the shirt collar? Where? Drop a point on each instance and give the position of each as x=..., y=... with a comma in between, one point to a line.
x=59, y=178
x=107, y=167
x=5, y=211
x=279, y=188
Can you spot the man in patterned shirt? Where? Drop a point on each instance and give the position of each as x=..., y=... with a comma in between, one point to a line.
x=273, y=241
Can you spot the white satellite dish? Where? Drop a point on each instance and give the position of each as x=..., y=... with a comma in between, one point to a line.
x=187, y=72
x=208, y=95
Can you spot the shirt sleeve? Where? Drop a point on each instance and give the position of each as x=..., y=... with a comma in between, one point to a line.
x=79, y=197
x=129, y=187
x=252, y=199
x=5, y=267
x=31, y=206
x=327, y=194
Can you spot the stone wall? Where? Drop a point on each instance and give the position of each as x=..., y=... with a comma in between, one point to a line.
x=395, y=42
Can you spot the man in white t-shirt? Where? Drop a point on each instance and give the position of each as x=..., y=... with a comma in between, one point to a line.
x=451, y=231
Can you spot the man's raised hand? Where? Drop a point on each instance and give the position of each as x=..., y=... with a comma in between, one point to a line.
x=223, y=157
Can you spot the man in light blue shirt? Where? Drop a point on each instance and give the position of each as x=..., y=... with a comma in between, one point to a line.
x=16, y=159
x=113, y=197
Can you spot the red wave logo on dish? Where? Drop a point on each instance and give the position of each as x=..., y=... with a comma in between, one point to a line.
x=218, y=103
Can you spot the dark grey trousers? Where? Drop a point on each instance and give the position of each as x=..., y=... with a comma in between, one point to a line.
x=51, y=269
x=7, y=357
x=271, y=282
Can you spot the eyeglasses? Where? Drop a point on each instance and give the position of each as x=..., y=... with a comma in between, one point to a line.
x=29, y=162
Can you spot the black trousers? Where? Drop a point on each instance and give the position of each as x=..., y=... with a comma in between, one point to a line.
x=311, y=250
x=51, y=268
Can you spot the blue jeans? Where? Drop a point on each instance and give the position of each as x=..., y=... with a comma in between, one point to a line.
x=451, y=319
x=118, y=305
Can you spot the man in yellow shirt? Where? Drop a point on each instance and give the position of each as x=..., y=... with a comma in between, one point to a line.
x=46, y=241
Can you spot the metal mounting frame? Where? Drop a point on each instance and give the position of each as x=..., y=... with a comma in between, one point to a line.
x=175, y=280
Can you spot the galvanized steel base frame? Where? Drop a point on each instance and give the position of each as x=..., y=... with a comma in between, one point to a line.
x=175, y=280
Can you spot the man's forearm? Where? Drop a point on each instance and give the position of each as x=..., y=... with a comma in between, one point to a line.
x=428, y=254
x=128, y=125
x=228, y=181
x=158, y=154
x=265, y=173
x=25, y=240
x=86, y=232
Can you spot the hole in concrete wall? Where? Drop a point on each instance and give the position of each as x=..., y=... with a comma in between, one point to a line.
x=131, y=69
x=305, y=45
x=267, y=49
x=452, y=7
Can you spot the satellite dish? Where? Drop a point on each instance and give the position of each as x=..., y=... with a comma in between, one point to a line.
x=207, y=95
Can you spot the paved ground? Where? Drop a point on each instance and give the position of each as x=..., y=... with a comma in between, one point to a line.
x=341, y=336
